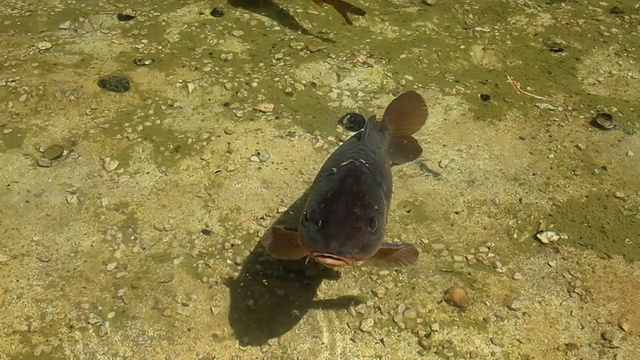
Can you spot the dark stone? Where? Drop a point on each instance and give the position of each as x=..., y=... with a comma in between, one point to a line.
x=485, y=97
x=205, y=232
x=616, y=10
x=216, y=13
x=125, y=17
x=352, y=121
x=115, y=83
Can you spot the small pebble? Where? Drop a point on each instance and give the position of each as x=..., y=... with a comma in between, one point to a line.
x=619, y=195
x=143, y=61
x=44, y=162
x=424, y=342
x=517, y=276
x=630, y=153
x=624, y=325
x=366, y=325
x=65, y=25
x=410, y=314
x=457, y=296
x=94, y=319
x=264, y=107
x=112, y=265
x=72, y=199
x=263, y=155
x=571, y=347
x=443, y=163
x=110, y=164
x=496, y=341
x=379, y=292
x=43, y=46
x=609, y=335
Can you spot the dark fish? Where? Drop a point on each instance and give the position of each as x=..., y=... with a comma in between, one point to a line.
x=346, y=213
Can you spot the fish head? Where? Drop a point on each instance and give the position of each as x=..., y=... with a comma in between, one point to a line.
x=347, y=223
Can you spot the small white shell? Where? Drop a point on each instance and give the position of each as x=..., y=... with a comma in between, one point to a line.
x=547, y=236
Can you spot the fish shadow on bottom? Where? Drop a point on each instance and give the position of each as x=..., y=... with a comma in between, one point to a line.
x=273, y=11
x=269, y=296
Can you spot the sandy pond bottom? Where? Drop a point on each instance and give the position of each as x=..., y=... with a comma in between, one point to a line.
x=129, y=222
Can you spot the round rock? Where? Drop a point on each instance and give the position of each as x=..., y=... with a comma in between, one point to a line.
x=53, y=152
x=457, y=296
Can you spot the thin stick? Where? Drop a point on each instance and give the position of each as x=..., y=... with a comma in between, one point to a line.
x=518, y=88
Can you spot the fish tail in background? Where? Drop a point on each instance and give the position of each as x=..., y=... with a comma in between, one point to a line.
x=404, y=116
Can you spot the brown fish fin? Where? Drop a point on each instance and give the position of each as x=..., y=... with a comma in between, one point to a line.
x=403, y=149
x=394, y=255
x=406, y=114
x=283, y=244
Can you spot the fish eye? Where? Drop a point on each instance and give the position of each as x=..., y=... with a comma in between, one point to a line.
x=372, y=224
x=313, y=215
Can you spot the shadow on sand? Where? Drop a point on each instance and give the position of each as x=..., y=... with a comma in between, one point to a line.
x=269, y=297
x=270, y=9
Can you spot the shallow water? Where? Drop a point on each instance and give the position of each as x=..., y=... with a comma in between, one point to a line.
x=140, y=240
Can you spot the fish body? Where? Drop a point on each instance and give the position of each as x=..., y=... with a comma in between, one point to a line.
x=346, y=213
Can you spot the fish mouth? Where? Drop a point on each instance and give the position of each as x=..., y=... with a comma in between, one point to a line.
x=330, y=260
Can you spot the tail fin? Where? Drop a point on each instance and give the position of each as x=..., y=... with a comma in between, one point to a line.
x=404, y=116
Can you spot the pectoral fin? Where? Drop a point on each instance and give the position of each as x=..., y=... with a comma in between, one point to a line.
x=283, y=244
x=394, y=255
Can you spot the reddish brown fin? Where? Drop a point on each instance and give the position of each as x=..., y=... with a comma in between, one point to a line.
x=343, y=8
x=405, y=114
x=403, y=149
x=394, y=255
x=283, y=244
